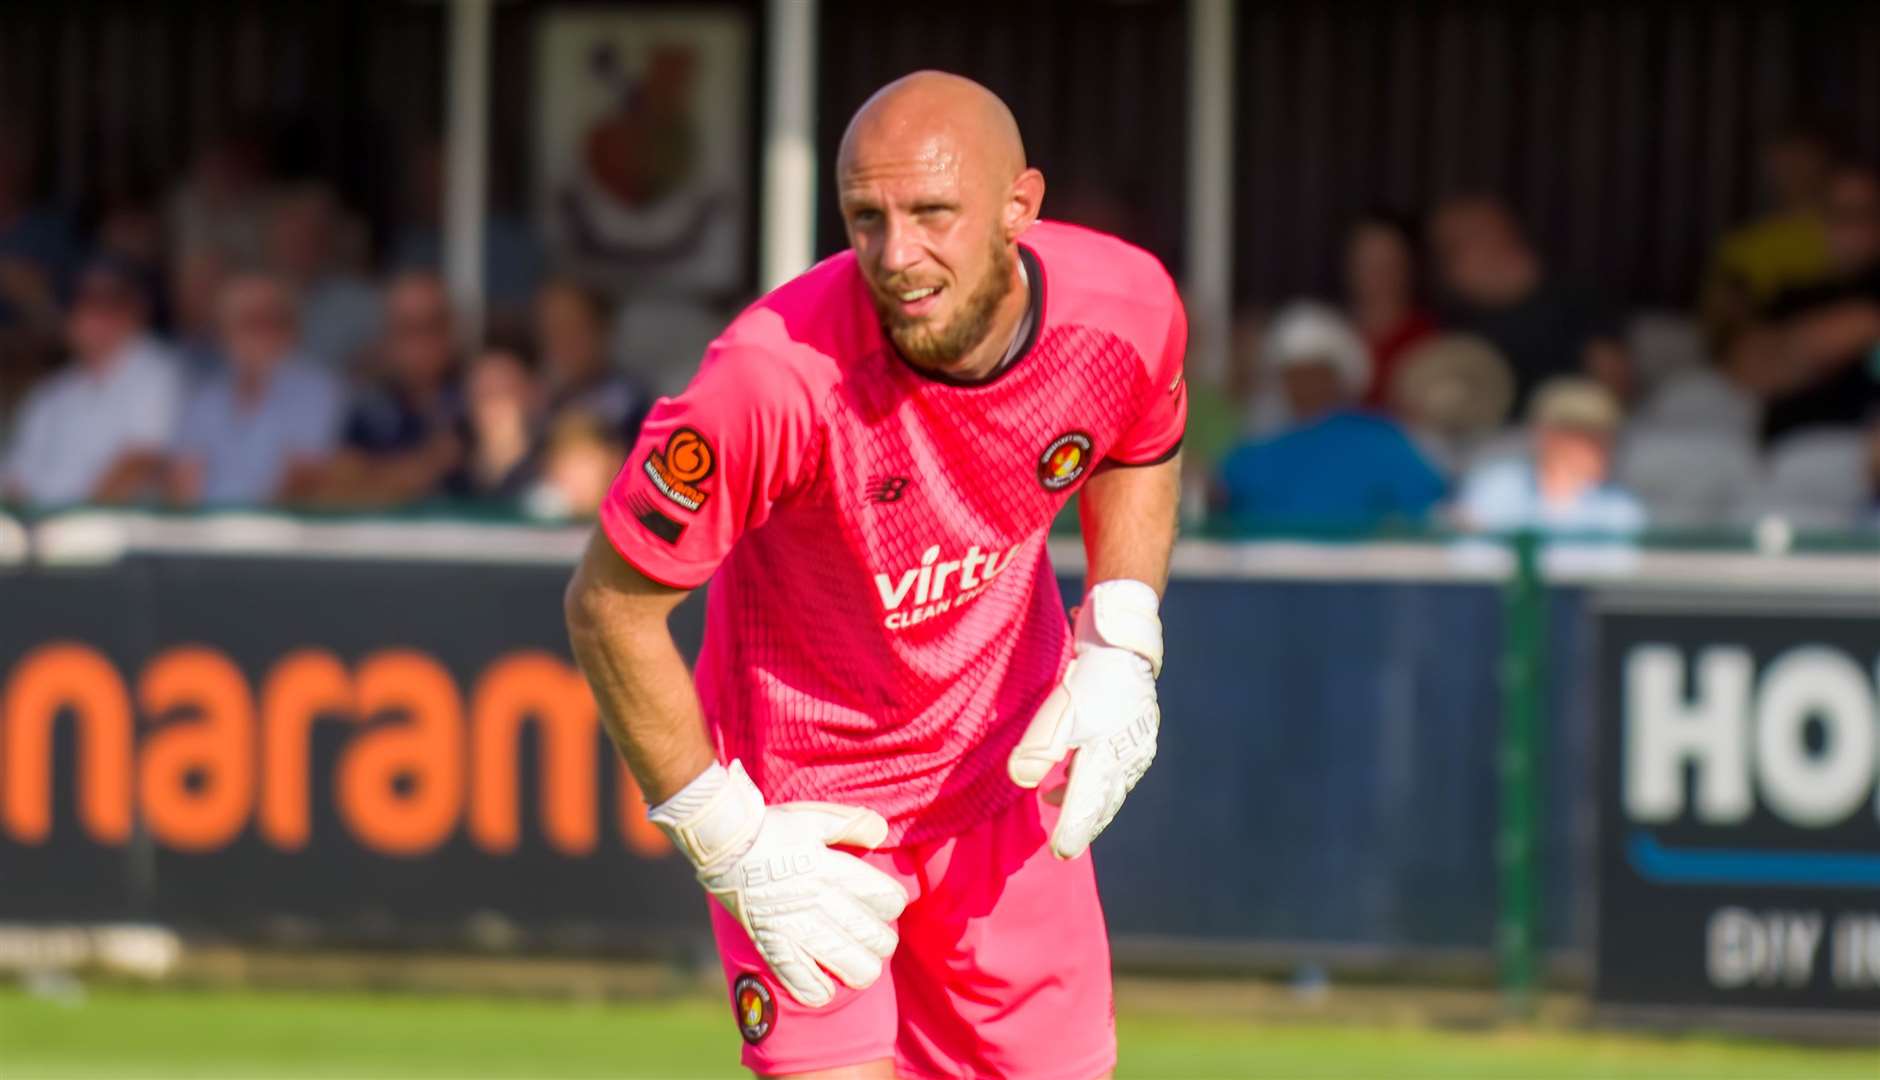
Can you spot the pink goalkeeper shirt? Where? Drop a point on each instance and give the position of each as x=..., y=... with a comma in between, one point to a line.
x=883, y=618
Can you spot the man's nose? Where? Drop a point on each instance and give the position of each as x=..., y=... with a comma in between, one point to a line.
x=900, y=246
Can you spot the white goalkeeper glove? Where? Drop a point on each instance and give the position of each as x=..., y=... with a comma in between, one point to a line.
x=805, y=906
x=1104, y=708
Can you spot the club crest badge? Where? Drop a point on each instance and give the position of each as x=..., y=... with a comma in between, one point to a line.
x=755, y=1006
x=1065, y=458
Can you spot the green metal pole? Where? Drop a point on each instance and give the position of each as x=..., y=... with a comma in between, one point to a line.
x=1524, y=631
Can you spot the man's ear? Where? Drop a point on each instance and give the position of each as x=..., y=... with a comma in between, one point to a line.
x=1024, y=202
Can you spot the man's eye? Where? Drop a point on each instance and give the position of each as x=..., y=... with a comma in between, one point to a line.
x=865, y=217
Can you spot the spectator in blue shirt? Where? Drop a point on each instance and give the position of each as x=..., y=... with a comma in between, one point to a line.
x=1335, y=466
x=267, y=413
x=1562, y=485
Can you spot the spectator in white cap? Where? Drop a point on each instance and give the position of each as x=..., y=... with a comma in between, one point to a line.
x=1563, y=485
x=1335, y=466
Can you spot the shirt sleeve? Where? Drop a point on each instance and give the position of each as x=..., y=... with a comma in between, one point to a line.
x=319, y=411
x=18, y=464
x=1162, y=410
x=153, y=426
x=1416, y=484
x=1492, y=498
x=192, y=434
x=711, y=464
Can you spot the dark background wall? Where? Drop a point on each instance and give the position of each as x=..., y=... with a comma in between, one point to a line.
x=1099, y=90
x=1625, y=132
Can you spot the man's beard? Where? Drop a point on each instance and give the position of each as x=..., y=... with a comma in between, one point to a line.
x=929, y=346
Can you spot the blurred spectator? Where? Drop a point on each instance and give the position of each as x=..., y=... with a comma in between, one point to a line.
x=97, y=430
x=579, y=461
x=1564, y=483
x=400, y=439
x=37, y=247
x=1815, y=479
x=502, y=413
x=1336, y=466
x=1453, y=391
x=1380, y=289
x=339, y=311
x=197, y=276
x=512, y=260
x=266, y=413
x=1498, y=288
x=571, y=333
x=1785, y=249
x=1816, y=360
x=223, y=201
x=25, y=359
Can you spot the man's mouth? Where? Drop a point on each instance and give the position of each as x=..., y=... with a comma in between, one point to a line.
x=917, y=303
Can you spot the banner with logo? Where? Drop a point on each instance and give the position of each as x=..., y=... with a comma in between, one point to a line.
x=643, y=145
x=1739, y=800
x=383, y=739
x=368, y=748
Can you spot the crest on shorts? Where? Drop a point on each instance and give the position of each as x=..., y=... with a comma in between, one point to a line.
x=680, y=467
x=1065, y=458
x=755, y=1007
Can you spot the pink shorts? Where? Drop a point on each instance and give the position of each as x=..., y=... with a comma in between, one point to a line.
x=1003, y=968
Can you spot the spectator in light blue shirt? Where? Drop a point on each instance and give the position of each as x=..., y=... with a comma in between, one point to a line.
x=97, y=431
x=1335, y=467
x=265, y=414
x=1562, y=485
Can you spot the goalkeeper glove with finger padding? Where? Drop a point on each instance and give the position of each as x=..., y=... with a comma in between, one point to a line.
x=1104, y=708
x=807, y=907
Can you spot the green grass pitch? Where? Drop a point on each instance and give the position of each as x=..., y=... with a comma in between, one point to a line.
x=124, y=1033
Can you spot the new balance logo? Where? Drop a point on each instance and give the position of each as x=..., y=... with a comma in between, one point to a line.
x=887, y=489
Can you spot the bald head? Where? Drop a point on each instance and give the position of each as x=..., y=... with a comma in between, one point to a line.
x=940, y=112
x=935, y=193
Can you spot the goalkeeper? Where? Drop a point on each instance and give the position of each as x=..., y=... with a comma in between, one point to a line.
x=896, y=749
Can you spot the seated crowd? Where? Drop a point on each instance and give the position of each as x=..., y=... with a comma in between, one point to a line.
x=266, y=420
x=235, y=352
x=1508, y=396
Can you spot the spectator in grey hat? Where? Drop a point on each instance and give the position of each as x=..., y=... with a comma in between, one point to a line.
x=1564, y=483
x=1336, y=466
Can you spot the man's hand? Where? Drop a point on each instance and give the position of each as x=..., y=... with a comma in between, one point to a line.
x=805, y=906
x=1104, y=708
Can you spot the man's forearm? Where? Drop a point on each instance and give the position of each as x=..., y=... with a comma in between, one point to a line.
x=617, y=627
x=131, y=476
x=1129, y=519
